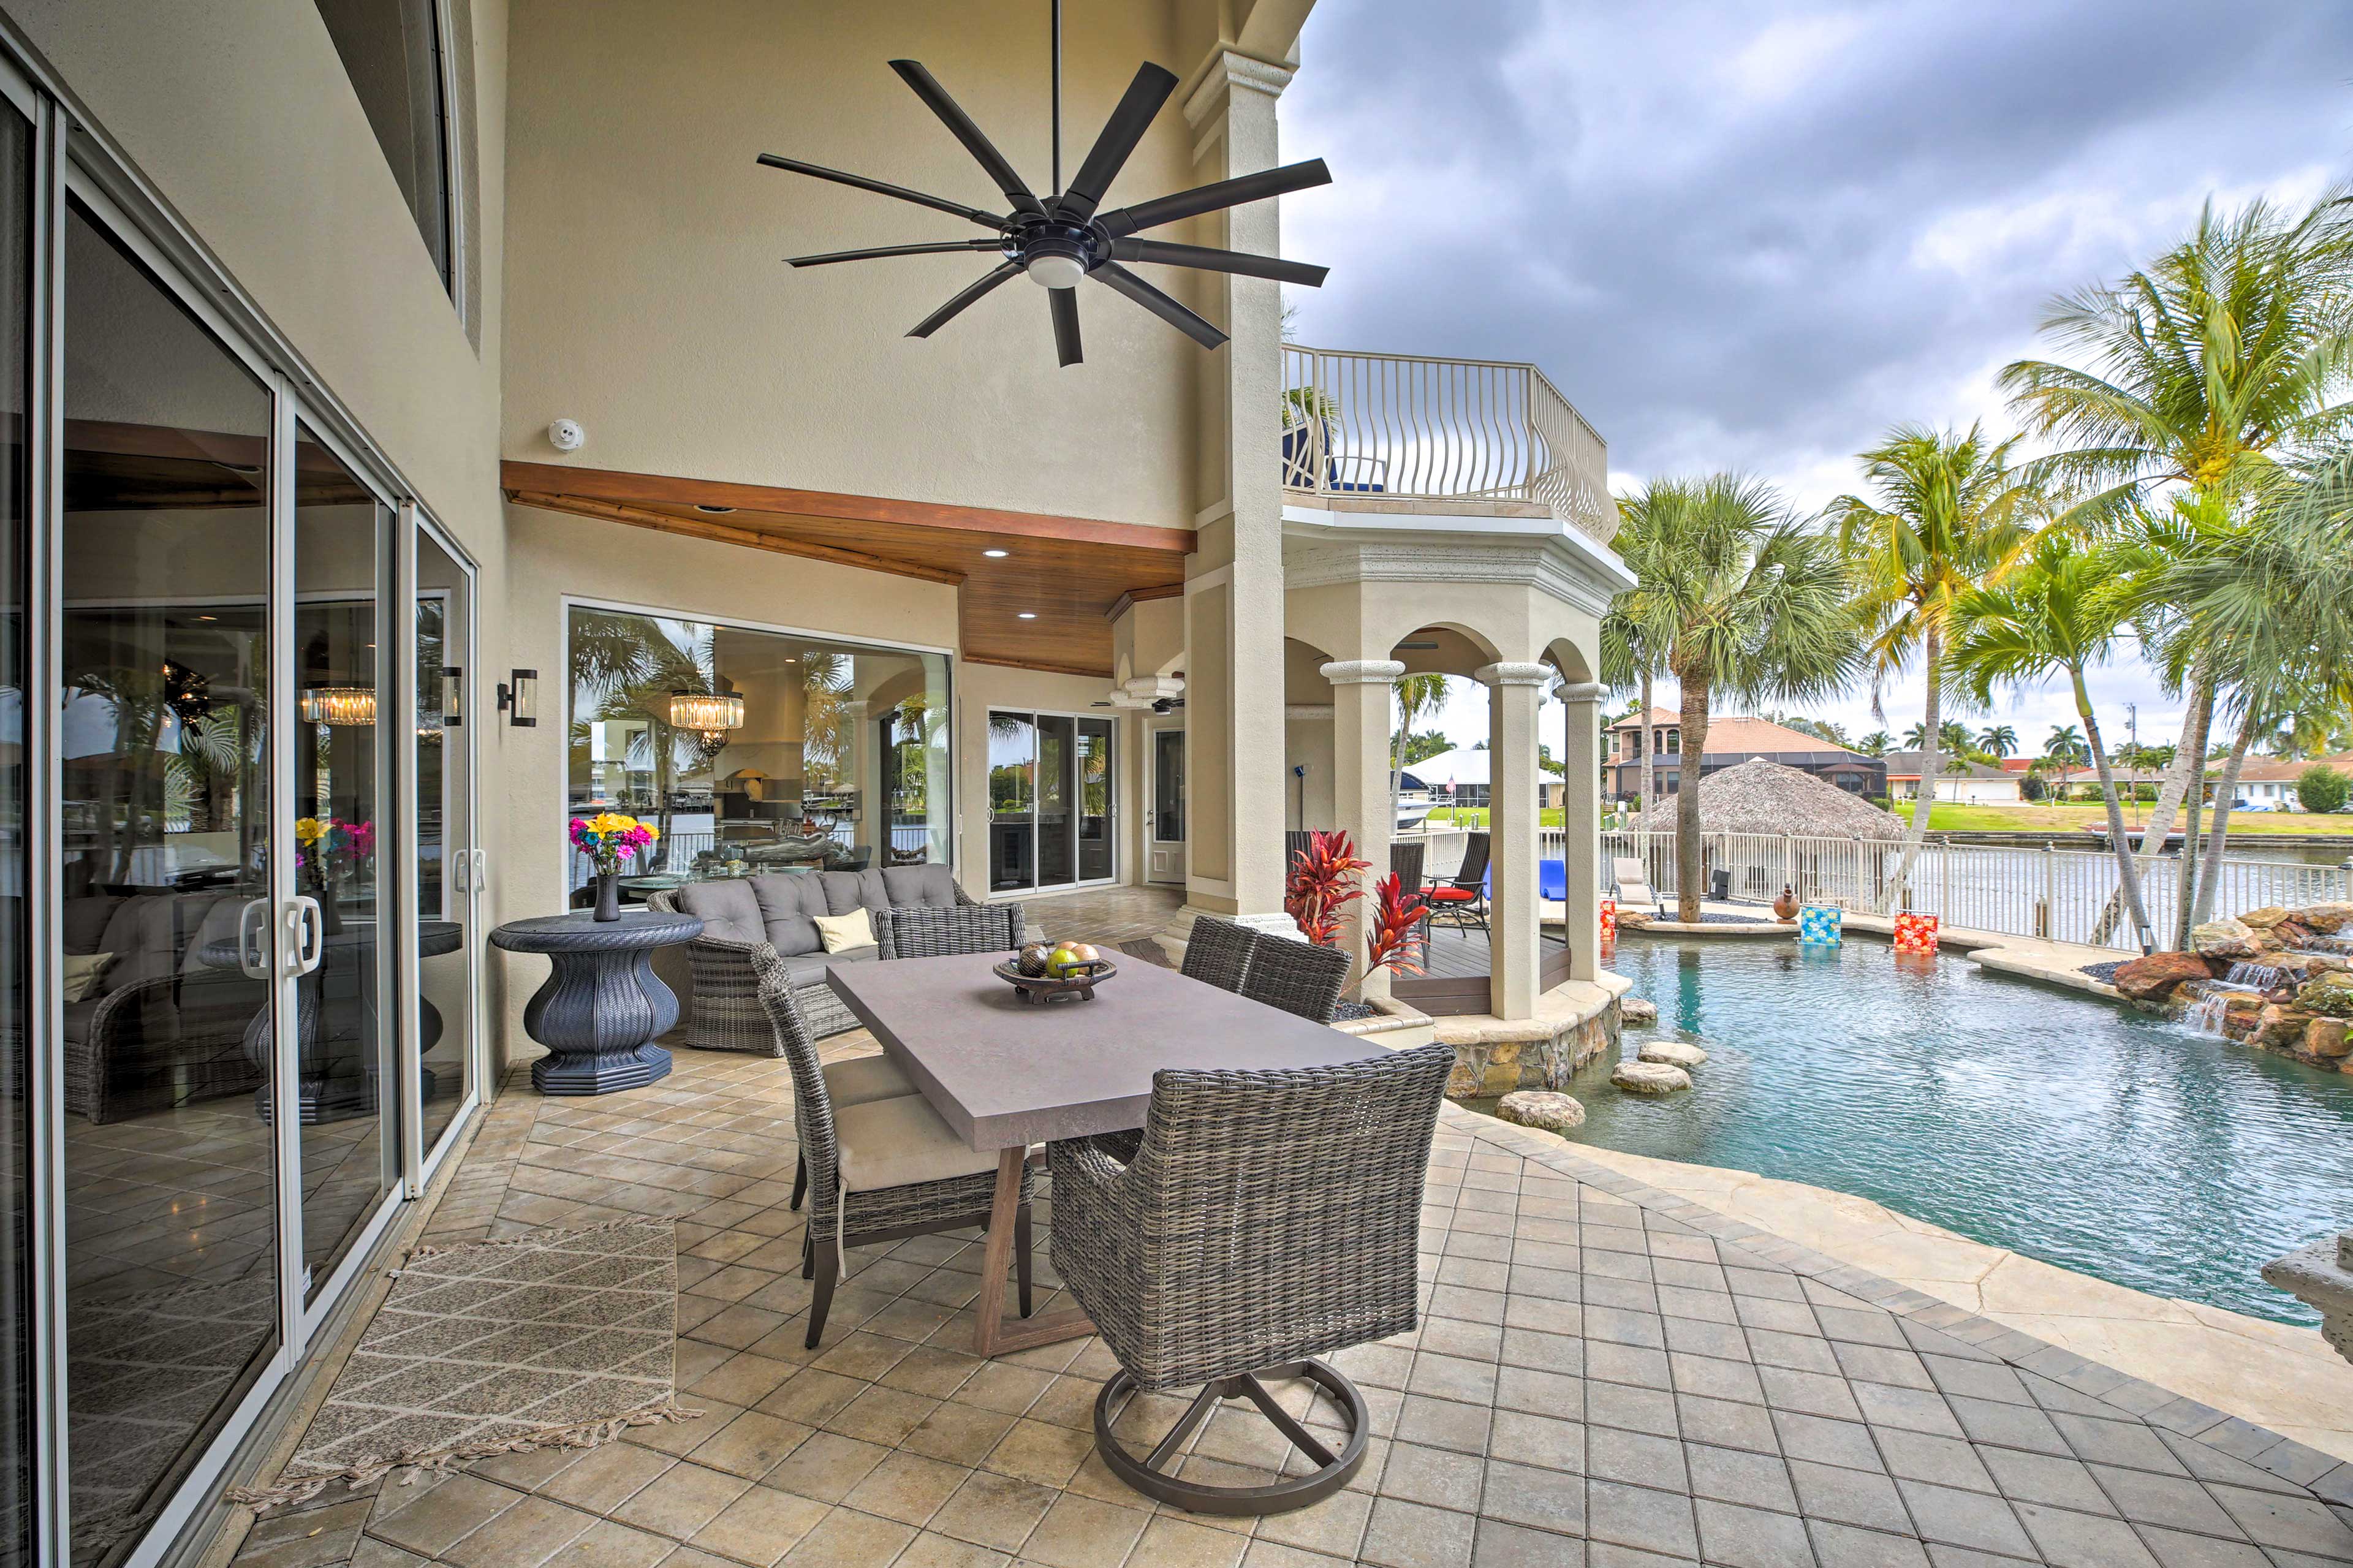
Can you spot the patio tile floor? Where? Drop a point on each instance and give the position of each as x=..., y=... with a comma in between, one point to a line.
x=1604, y=1374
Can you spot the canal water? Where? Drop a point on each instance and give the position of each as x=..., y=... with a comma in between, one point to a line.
x=2019, y=1115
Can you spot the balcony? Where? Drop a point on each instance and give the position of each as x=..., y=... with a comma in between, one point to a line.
x=1365, y=429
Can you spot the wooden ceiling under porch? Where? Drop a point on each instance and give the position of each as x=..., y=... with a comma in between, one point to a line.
x=1067, y=571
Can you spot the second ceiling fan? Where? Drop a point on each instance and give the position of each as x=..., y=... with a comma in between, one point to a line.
x=1061, y=239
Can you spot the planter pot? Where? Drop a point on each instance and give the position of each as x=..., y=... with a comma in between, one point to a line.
x=608, y=895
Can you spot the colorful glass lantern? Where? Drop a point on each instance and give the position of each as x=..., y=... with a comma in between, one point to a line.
x=1821, y=925
x=1915, y=932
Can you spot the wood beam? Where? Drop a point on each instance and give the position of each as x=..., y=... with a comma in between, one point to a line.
x=1136, y=596
x=725, y=533
x=1095, y=673
x=616, y=485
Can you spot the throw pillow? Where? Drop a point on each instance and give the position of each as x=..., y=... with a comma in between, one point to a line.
x=83, y=970
x=839, y=932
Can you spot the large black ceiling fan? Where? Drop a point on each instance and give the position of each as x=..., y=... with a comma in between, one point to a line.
x=1063, y=239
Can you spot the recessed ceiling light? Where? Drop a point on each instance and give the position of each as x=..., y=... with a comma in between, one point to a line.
x=997, y=554
x=1029, y=615
x=719, y=510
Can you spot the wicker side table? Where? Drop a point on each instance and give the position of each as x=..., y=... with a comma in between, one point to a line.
x=602, y=1004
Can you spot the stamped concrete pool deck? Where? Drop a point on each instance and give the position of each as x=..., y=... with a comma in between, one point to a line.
x=1607, y=1373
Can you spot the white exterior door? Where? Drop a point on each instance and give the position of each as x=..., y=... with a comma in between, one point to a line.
x=1166, y=848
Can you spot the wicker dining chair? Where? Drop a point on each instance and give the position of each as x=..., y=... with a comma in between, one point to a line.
x=924, y=933
x=1264, y=1219
x=1217, y=951
x=882, y=1171
x=1297, y=977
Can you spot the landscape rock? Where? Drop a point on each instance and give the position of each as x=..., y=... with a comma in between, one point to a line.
x=2328, y=1038
x=2278, y=1025
x=2329, y=993
x=1674, y=1053
x=2305, y=966
x=1541, y=1108
x=2265, y=917
x=2293, y=933
x=1634, y=1010
x=1650, y=1078
x=2146, y=979
x=2326, y=919
x=2226, y=939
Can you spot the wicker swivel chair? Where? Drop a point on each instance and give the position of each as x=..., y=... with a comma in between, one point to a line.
x=920, y=931
x=1217, y=951
x=1264, y=1219
x=882, y=1171
x=1460, y=900
x=1297, y=977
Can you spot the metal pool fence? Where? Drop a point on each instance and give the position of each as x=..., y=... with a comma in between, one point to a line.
x=2058, y=894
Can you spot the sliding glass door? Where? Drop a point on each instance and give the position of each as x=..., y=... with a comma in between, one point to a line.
x=1050, y=801
x=449, y=864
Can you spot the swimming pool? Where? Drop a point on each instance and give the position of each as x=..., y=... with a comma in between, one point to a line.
x=2019, y=1115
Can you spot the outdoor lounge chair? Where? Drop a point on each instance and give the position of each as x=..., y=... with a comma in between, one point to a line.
x=881, y=1171
x=1297, y=977
x=1263, y=1219
x=1217, y=951
x=1460, y=900
x=1634, y=887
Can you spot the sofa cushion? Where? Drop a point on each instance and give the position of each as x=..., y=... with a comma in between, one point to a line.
x=728, y=910
x=930, y=886
x=86, y=918
x=848, y=891
x=144, y=934
x=841, y=934
x=807, y=968
x=789, y=902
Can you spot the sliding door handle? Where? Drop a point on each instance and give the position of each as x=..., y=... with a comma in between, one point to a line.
x=306, y=930
x=252, y=933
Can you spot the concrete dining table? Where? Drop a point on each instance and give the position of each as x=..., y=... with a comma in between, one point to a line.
x=1005, y=1075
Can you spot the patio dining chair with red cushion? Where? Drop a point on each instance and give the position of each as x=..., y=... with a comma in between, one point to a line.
x=1460, y=900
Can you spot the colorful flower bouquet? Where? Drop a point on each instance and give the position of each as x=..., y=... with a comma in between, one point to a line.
x=608, y=838
x=330, y=849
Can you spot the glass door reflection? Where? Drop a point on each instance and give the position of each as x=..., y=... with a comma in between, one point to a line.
x=1012, y=802
x=1094, y=768
x=1057, y=783
x=443, y=848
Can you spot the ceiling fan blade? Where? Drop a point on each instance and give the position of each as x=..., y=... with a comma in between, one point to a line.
x=1159, y=304
x=1065, y=303
x=947, y=312
x=937, y=204
x=1225, y=193
x=1210, y=260
x=960, y=124
x=1120, y=134
x=941, y=248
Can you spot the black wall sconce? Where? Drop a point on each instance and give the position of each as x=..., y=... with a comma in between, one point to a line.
x=519, y=697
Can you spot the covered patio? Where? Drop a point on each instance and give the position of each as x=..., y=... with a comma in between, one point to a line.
x=1603, y=1374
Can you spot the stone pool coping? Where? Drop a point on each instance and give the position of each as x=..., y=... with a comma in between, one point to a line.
x=2263, y=1385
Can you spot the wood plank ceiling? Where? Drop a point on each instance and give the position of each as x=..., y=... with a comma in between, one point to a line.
x=1067, y=571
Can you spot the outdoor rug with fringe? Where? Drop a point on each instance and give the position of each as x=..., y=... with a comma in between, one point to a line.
x=565, y=1339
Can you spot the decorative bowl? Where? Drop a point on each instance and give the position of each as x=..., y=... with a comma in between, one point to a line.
x=1079, y=982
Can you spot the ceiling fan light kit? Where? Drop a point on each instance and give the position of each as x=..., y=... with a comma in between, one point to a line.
x=1061, y=240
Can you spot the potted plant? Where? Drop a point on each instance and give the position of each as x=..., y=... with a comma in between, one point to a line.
x=1324, y=879
x=608, y=838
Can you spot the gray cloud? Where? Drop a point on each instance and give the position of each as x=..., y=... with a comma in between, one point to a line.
x=1742, y=235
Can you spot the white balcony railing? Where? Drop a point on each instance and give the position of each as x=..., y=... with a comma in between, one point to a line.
x=1402, y=426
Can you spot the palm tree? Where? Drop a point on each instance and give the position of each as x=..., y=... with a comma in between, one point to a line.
x=1415, y=695
x=2207, y=369
x=2060, y=610
x=1997, y=741
x=1916, y=738
x=1946, y=512
x=1630, y=657
x=1876, y=744
x=1745, y=600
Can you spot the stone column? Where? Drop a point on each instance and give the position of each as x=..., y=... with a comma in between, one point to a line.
x=1361, y=697
x=1233, y=598
x=1515, y=697
x=1581, y=825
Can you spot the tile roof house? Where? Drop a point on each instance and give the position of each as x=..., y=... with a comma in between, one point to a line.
x=1731, y=740
x=1956, y=779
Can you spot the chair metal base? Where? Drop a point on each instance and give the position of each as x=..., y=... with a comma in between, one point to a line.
x=1333, y=1471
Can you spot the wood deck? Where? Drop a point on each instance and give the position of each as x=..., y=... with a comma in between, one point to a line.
x=1458, y=966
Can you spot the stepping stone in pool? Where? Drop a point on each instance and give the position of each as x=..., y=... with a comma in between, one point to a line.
x=1650, y=1078
x=1674, y=1053
x=1541, y=1108
x=1634, y=1010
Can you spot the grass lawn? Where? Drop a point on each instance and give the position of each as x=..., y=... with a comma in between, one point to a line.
x=2076, y=815
x=1476, y=816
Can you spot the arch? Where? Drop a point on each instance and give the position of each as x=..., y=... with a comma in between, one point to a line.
x=1461, y=650
x=1569, y=660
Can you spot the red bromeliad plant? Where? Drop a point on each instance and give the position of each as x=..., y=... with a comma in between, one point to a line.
x=1322, y=881
x=1396, y=935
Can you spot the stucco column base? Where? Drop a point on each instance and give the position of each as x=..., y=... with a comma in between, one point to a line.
x=1515, y=696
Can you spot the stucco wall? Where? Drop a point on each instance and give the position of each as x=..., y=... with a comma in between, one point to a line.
x=651, y=302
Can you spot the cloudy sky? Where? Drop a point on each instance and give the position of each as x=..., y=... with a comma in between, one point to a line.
x=1753, y=236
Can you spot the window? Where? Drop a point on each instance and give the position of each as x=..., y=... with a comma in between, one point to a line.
x=392, y=51
x=757, y=751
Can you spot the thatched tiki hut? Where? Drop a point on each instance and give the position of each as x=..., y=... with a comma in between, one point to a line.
x=1750, y=812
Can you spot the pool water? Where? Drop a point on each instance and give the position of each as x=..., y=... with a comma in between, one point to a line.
x=2060, y=1126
